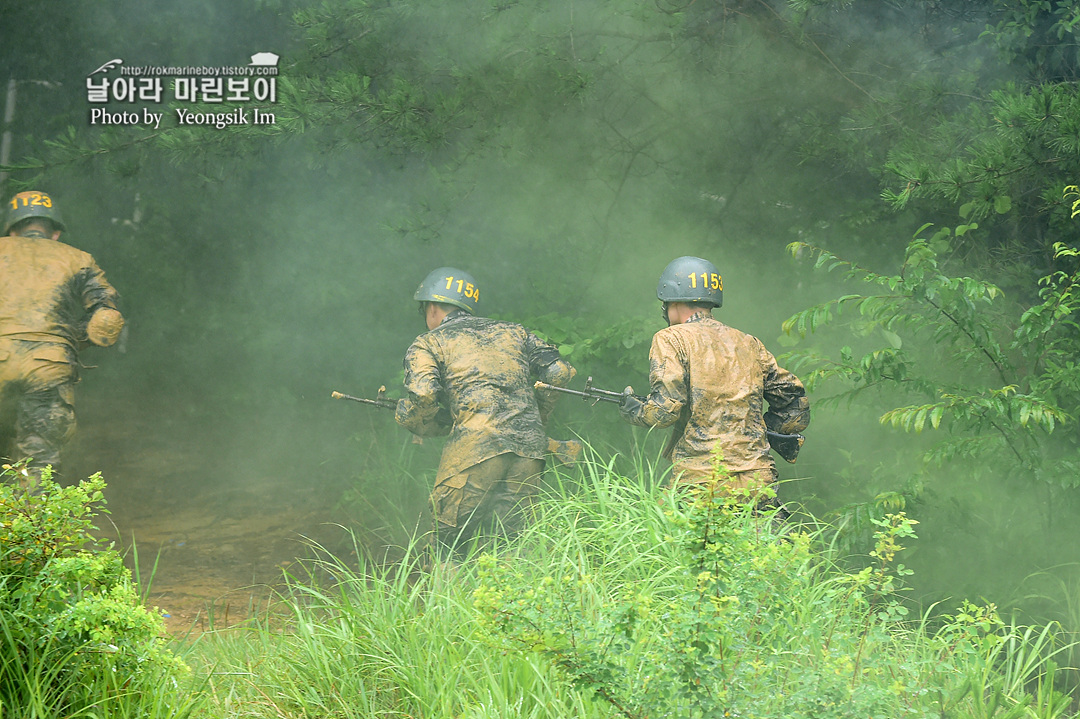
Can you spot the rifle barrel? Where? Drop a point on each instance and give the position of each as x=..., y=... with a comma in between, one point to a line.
x=592, y=393
x=383, y=403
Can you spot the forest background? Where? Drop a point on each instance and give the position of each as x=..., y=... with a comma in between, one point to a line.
x=563, y=153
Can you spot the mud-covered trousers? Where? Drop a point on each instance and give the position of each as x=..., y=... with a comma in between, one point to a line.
x=491, y=497
x=36, y=424
x=37, y=402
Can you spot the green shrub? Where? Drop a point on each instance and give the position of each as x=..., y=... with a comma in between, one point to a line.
x=746, y=622
x=75, y=638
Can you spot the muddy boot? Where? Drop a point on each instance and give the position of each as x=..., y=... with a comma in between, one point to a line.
x=565, y=451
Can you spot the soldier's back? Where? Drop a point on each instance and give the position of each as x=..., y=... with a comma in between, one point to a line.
x=484, y=365
x=41, y=281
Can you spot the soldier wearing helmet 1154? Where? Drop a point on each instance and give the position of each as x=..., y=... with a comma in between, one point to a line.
x=54, y=299
x=711, y=382
x=472, y=378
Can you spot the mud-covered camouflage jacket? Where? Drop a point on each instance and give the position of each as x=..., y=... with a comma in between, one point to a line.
x=49, y=292
x=711, y=381
x=472, y=377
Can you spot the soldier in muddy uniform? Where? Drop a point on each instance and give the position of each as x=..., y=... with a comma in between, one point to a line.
x=472, y=378
x=710, y=382
x=53, y=299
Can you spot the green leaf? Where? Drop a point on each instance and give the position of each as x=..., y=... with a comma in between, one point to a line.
x=1002, y=204
x=787, y=340
x=892, y=338
x=920, y=418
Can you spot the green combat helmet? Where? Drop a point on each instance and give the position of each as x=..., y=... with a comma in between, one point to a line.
x=691, y=279
x=25, y=205
x=450, y=286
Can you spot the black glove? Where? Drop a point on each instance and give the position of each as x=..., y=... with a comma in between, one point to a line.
x=786, y=445
x=630, y=408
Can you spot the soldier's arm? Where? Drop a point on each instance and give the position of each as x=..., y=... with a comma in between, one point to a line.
x=668, y=387
x=547, y=365
x=420, y=411
x=789, y=408
x=99, y=299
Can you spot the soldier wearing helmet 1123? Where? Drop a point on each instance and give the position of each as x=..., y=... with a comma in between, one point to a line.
x=472, y=378
x=711, y=382
x=54, y=299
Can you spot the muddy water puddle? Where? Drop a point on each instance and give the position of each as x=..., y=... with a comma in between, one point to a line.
x=213, y=522
x=207, y=567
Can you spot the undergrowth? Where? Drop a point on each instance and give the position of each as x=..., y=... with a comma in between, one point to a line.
x=75, y=638
x=620, y=600
x=702, y=609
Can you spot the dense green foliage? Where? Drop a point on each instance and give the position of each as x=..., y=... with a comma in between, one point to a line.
x=75, y=638
x=717, y=615
x=584, y=342
x=979, y=121
x=618, y=603
x=1000, y=379
x=994, y=382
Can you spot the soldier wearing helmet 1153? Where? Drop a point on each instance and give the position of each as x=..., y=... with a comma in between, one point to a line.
x=472, y=378
x=54, y=299
x=711, y=382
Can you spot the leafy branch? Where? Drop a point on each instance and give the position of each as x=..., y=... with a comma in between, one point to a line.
x=964, y=338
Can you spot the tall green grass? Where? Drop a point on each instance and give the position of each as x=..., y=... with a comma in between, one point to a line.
x=730, y=618
x=361, y=638
x=609, y=605
x=617, y=601
x=378, y=641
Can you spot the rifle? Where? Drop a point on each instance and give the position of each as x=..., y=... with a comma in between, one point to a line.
x=379, y=401
x=785, y=445
x=562, y=451
x=593, y=393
